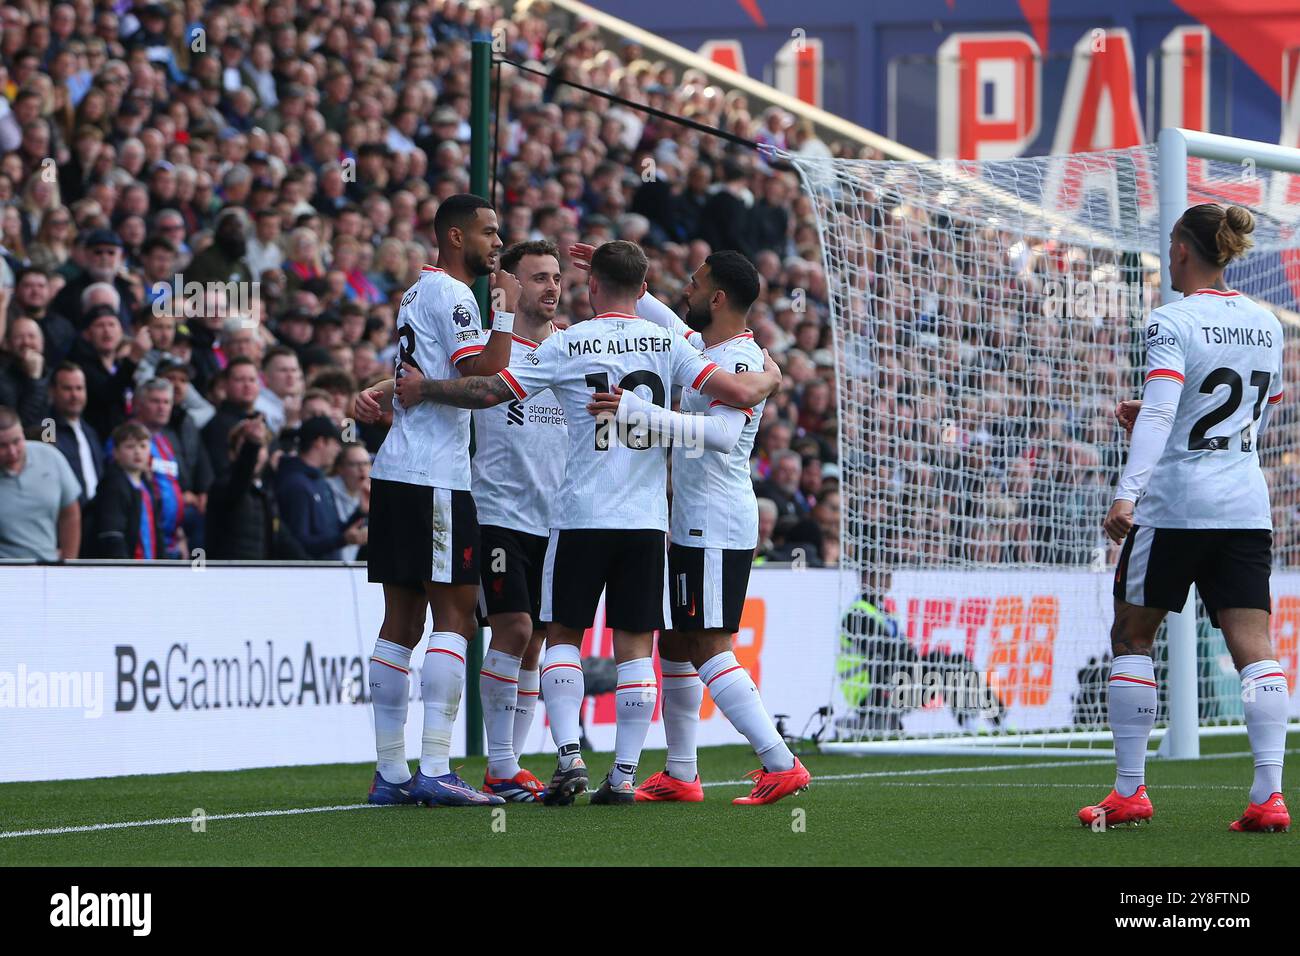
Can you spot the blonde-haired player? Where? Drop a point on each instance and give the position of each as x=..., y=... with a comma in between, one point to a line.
x=1192, y=506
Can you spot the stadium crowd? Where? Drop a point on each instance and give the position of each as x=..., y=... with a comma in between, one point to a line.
x=210, y=211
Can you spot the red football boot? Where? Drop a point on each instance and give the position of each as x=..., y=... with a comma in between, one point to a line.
x=771, y=785
x=662, y=788
x=1271, y=816
x=1116, y=810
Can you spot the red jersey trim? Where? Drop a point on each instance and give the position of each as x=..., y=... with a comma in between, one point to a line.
x=1165, y=373
x=704, y=375
x=430, y=269
x=466, y=352
x=617, y=315
x=1275, y=399
x=511, y=381
x=523, y=341
x=1214, y=292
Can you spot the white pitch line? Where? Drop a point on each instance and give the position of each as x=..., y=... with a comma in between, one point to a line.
x=824, y=778
x=1036, y=765
x=1060, y=786
x=171, y=821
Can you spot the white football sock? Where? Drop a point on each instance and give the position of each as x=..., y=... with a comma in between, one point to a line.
x=563, y=689
x=1131, y=704
x=443, y=677
x=683, y=694
x=390, y=685
x=634, y=696
x=498, y=687
x=1264, y=696
x=530, y=684
x=737, y=698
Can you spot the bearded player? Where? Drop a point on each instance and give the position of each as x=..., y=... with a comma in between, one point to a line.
x=714, y=530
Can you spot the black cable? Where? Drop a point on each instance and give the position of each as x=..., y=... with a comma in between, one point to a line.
x=662, y=114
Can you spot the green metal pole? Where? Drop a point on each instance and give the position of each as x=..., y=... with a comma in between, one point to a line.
x=480, y=122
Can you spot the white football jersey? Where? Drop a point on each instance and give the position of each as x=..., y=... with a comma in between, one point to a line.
x=1227, y=352
x=520, y=449
x=438, y=325
x=606, y=483
x=713, y=495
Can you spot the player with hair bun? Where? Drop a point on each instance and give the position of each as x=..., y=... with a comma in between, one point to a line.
x=1192, y=506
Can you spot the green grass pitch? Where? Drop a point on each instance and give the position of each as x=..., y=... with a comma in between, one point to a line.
x=872, y=811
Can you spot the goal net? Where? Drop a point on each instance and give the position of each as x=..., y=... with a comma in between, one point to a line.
x=987, y=318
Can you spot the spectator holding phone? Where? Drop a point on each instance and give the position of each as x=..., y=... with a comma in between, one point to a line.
x=243, y=515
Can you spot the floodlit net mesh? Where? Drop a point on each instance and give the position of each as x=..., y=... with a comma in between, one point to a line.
x=987, y=318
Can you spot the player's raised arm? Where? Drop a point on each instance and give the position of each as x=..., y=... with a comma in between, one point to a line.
x=484, y=391
x=654, y=309
x=496, y=356
x=743, y=390
x=471, y=391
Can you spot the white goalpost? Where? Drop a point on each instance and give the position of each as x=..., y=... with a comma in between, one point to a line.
x=987, y=317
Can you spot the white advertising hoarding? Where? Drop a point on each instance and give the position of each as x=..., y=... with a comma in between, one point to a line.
x=107, y=671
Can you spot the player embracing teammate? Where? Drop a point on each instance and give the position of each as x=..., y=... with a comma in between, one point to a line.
x=424, y=533
x=1192, y=506
x=608, y=526
x=714, y=531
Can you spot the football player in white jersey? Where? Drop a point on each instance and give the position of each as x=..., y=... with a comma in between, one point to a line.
x=714, y=531
x=424, y=535
x=1192, y=506
x=609, y=523
x=520, y=449
x=517, y=467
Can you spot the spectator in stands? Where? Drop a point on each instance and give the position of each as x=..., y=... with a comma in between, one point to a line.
x=350, y=482
x=317, y=402
x=128, y=506
x=241, y=384
x=243, y=516
x=264, y=250
x=108, y=377
x=190, y=411
x=793, y=507
x=305, y=499
x=79, y=443
x=40, y=518
x=726, y=220
x=99, y=255
x=32, y=294
x=24, y=384
x=280, y=399
x=223, y=261
x=174, y=471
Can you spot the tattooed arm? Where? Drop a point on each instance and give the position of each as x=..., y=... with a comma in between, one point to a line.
x=471, y=391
